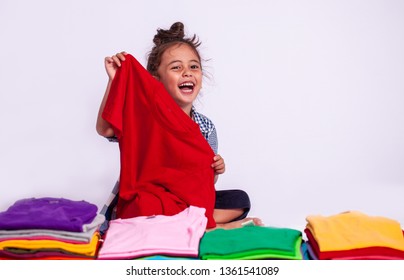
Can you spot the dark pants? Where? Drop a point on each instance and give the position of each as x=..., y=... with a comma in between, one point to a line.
x=233, y=199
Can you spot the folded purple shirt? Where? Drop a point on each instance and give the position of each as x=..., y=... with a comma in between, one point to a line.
x=48, y=213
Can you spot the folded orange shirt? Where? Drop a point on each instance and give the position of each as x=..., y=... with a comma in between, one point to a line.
x=353, y=229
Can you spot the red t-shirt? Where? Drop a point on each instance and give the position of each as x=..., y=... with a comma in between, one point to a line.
x=165, y=160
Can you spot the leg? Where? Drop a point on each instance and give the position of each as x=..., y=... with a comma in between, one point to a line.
x=231, y=209
x=237, y=200
x=226, y=215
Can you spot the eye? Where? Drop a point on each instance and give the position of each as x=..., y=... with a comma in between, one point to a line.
x=195, y=66
x=176, y=67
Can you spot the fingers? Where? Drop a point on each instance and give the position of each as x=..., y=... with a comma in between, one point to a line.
x=218, y=164
x=217, y=157
x=109, y=59
x=116, y=59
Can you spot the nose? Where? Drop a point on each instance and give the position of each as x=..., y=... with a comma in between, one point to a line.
x=187, y=72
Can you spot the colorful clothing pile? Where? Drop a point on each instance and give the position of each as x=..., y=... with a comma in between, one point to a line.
x=354, y=235
x=145, y=236
x=50, y=228
x=251, y=243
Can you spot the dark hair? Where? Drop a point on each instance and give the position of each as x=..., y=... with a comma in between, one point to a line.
x=165, y=39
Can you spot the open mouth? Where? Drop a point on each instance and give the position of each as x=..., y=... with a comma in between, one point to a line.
x=187, y=87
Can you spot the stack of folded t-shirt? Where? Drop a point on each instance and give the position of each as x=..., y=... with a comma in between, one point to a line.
x=354, y=235
x=155, y=237
x=252, y=242
x=50, y=228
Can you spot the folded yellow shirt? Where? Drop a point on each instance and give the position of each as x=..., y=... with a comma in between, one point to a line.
x=353, y=230
x=88, y=249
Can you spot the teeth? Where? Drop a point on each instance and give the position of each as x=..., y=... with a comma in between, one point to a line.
x=186, y=85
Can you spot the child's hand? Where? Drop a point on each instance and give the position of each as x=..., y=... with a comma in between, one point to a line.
x=218, y=164
x=112, y=63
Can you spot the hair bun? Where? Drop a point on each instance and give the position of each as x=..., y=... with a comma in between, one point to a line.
x=164, y=39
x=175, y=33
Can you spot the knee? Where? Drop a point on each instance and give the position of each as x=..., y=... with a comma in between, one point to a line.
x=243, y=197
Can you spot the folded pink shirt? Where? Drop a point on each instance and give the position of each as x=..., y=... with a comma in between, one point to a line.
x=177, y=235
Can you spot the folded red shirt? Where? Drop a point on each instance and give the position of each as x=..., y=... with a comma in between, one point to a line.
x=165, y=160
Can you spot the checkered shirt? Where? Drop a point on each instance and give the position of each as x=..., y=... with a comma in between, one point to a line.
x=207, y=128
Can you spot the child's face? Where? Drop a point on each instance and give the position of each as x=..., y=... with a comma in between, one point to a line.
x=181, y=73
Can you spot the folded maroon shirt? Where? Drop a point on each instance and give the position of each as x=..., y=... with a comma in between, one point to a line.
x=165, y=160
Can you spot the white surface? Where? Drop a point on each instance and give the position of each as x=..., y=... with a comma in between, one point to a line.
x=307, y=97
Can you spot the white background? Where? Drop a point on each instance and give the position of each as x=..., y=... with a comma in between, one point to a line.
x=307, y=97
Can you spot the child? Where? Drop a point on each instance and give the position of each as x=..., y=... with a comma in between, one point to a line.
x=176, y=63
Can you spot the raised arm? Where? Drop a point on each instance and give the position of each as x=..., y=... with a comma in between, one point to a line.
x=103, y=127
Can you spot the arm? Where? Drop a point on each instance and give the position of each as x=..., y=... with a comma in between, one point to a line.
x=111, y=65
x=103, y=127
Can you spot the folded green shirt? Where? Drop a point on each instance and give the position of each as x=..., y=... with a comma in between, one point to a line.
x=251, y=243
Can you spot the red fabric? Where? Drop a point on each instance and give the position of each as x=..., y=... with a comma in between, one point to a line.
x=359, y=253
x=165, y=160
